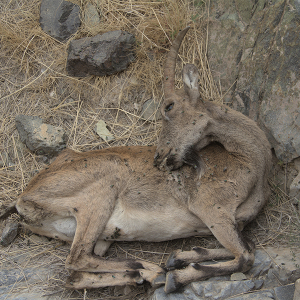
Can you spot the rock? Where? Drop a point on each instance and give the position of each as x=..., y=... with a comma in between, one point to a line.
x=286, y=258
x=261, y=295
x=261, y=265
x=59, y=18
x=101, y=55
x=221, y=289
x=103, y=132
x=253, y=45
x=238, y=276
x=285, y=292
x=297, y=290
x=295, y=188
x=277, y=275
x=159, y=294
x=23, y=296
x=41, y=138
x=16, y=281
x=285, y=268
x=9, y=233
x=91, y=16
x=150, y=110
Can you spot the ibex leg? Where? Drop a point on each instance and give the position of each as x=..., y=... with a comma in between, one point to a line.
x=226, y=231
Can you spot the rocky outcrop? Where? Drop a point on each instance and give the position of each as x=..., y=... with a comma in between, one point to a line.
x=101, y=55
x=254, y=47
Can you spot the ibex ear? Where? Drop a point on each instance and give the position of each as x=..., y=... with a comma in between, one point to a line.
x=190, y=77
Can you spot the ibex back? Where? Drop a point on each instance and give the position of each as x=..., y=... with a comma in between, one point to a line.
x=211, y=178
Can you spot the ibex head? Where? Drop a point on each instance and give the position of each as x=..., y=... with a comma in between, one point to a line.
x=185, y=118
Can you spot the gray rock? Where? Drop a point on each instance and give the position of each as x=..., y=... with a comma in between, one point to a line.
x=101, y=55
x=150, y=110
x=277, y=276
x=9, y=233
x=59, y=18
x=285, y=267
x=261, y=265
x=286, y=258
x=221, y=289
x=41, y=138
x=295, y=188
x=159, y=294
x=238, y=276
x=91, y=16
x=254, y=47
x=11, y=279
x=297, y=290
x=29, y=275
x=216, y=290
x=261, y=295
x=23, y=296
x=285, y=292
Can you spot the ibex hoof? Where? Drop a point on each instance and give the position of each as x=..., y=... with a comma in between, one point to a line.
x=159, y=280
x=174, y=263
x=72, y=281
x=171, y=283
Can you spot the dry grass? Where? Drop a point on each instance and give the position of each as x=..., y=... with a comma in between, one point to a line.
x=33, y=81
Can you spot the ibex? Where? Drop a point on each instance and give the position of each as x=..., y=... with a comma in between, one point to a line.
x=211, y=178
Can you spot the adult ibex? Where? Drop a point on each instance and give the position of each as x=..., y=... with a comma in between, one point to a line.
x=215, y=162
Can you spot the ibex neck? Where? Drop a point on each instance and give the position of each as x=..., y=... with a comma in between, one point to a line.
x=237, y=133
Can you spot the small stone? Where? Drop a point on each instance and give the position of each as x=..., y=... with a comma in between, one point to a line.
x=103, y=132
x=91, y=16
x=238, y=276
x=9, y=233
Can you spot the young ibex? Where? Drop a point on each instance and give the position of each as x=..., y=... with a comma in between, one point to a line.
x=217, y=163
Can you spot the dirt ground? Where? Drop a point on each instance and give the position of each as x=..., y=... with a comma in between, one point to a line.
x=33, y=81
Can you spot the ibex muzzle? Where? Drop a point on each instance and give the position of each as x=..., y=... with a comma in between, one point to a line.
x=94, y=198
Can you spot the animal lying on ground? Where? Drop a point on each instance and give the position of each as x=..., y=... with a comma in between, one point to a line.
x=210, y=177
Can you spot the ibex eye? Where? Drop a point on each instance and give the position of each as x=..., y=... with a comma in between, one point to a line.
x=169, y=107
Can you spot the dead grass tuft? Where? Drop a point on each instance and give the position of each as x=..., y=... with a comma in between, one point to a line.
x=33, y=81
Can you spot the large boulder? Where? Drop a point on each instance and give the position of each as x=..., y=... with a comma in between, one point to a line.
x=101, y=55
x=254, y=47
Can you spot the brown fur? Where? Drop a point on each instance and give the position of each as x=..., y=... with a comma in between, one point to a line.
x=117, y=194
